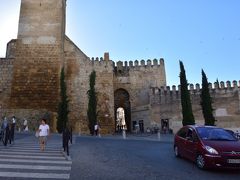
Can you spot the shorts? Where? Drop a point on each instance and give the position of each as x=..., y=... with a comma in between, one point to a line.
x=42, y=139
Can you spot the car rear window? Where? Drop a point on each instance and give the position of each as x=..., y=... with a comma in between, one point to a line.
x=182, y=133
x=217, y=134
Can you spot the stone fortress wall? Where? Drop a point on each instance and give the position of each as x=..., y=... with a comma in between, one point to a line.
x=31, y=79
x=6, y=67
x=145, y=73
x=37, y=55
x=166, y=104
x=136, y=78
x=109, y=78
x=78, y=68
x=30, y=75
x=6, y=75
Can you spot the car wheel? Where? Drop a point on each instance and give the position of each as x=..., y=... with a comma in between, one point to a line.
x=200, y=161
x=176, y=151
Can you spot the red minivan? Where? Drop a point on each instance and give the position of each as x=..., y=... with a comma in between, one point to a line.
x=208, y=146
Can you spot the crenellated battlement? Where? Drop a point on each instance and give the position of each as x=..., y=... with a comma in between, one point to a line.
x=11, y=48
x=129, y=64
x=217, y=88
x=122, y=68
x=133, y=65
x=101, y=63
x=100, y=60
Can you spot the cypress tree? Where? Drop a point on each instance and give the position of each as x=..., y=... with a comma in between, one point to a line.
x=63, y=104
x=188, y=118
x=92, y=103
x=206, y=102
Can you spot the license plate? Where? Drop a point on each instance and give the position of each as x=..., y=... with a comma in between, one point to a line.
x=234, y=161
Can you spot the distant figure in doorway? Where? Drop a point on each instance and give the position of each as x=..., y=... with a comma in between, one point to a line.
x=43, y=133
x=164, y=129
x=14, y=120
x=121, y=123
x=13, y=125
x=96, y=129
x=25, y=125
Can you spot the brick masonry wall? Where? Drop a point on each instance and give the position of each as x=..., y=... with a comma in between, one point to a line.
x=105, y=95
x=36, y=72
x=6, y=67
x=166, y=104
x=79, y=67
x=77, y=71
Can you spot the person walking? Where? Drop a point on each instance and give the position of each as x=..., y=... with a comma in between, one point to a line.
x=25, y=125
x=13, y=125
x=5, y=131
x=96, y=129
x=4, y=123
x=43, y=133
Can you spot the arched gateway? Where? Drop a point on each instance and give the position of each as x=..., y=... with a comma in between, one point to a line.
x=29, y=87
x=122, y=109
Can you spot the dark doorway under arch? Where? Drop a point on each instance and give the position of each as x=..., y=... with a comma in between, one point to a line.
x=121, y=100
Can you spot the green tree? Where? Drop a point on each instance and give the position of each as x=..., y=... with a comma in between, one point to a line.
x=188, y=118
x=92, y=103
x=63, y=111
x=206, y=102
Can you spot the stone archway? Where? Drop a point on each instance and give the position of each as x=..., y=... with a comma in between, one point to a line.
x=121, y=100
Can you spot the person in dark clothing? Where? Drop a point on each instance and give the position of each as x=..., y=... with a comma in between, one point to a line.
x=5, y=131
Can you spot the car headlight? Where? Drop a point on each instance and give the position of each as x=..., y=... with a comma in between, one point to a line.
x=211, y=150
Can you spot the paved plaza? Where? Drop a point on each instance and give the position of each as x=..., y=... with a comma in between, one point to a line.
x=138, y=157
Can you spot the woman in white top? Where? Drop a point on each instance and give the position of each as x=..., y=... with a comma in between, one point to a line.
x=43, y=133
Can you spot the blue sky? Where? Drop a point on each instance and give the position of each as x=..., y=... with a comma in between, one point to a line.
x=202, y=33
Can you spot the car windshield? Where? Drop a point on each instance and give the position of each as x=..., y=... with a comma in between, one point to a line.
x=216, y=134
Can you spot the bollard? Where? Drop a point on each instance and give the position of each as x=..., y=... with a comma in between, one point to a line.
x=124, y=133
x=159, y=135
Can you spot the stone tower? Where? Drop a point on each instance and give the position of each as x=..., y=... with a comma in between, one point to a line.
x=39, y=55
x=29, y=76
